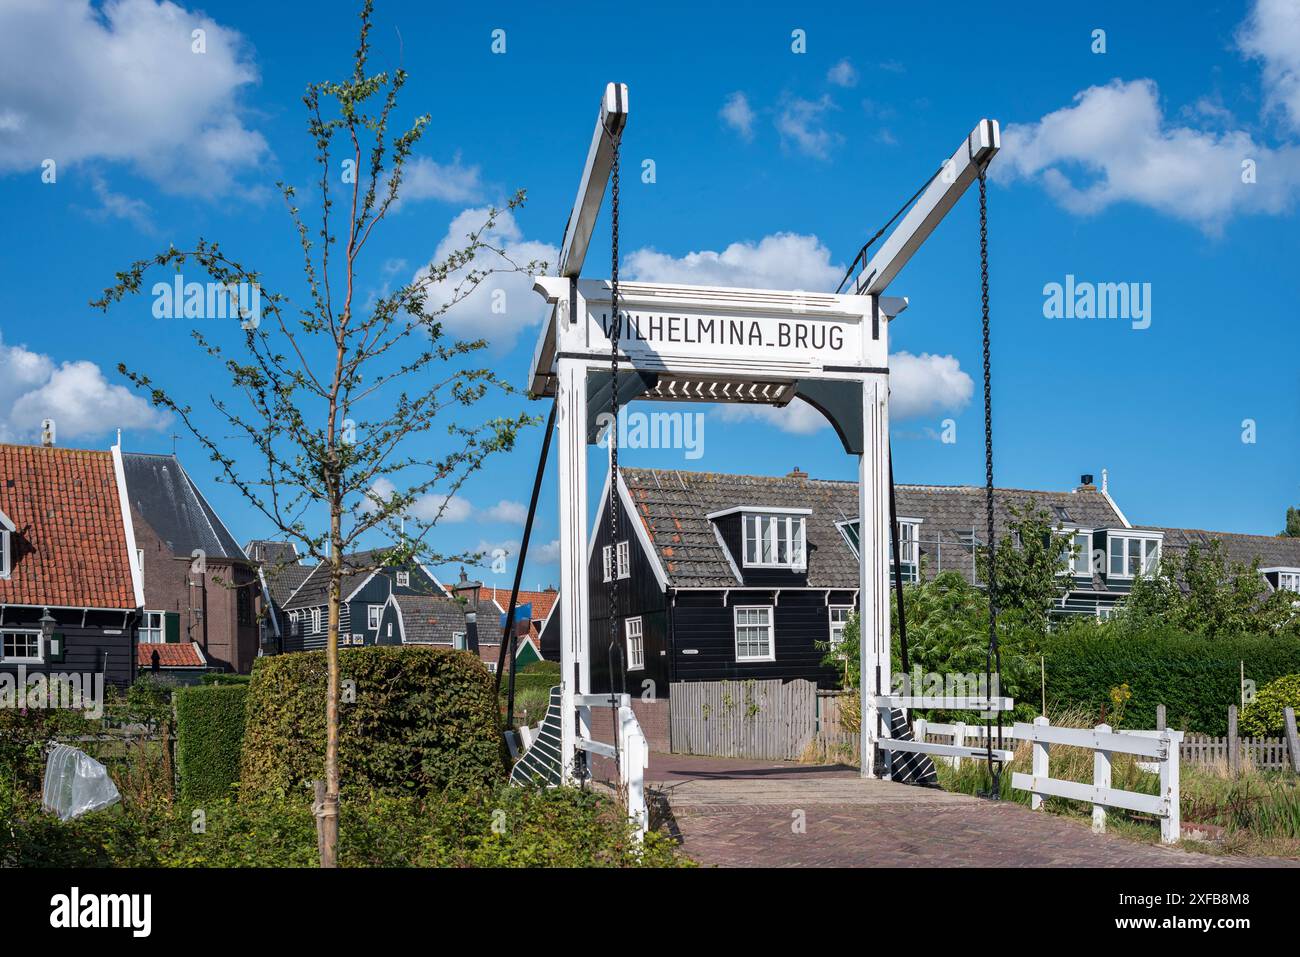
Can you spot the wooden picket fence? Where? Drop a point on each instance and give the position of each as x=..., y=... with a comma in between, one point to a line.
x=1264, y=754
x=765, y=720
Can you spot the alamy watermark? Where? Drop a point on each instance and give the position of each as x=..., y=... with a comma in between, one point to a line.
x=61, y=690
x=179, y=299
x=1098, y=300
x=655, y=430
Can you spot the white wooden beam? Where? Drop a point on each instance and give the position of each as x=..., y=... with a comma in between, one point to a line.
x=954, y=703
x=957, y=173
x=942, y=750
x=591, y=188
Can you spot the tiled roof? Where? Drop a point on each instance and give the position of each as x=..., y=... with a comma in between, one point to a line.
x=283, y=580
x=271, y=552
x=165, y=496
x=315, y=586
x=674, y=506
x=70, y=545
x=429, y=619
x=185, y=654
x=540, y=600
x=1273, y=551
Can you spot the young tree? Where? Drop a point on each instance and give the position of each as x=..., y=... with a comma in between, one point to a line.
x=326, y=397
x=1292, y=529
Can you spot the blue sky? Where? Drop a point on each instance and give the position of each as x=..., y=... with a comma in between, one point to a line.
x=773, y=166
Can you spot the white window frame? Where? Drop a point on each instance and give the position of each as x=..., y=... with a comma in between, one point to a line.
x=607, y=557
x=634, y=634
x=491, y=667
x=1148, y=567
x=161, y=630
x=373, y=615
x=771, y=632
x=24, y=660
x=315, y=621
x=460, y=640
x=837, y=627
x=617, y=561
x=1288, y=579
x=766, y=528
x=6, y=552
x=403, y=579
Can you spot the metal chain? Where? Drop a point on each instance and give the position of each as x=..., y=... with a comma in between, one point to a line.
x=616, y=329
x=993, y=660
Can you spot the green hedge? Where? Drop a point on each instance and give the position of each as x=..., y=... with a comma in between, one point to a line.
x=1194, y=677
x=209, y=735
x=413, y=720
x=1266, y=715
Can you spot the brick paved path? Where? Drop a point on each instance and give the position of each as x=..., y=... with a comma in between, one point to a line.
x=741, y=814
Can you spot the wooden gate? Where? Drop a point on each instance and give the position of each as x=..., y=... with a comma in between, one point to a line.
x=766, y=720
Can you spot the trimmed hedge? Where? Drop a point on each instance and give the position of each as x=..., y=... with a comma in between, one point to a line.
x=421, y=720
x=1265, y=715
x=1194, y=677
x=209, y=735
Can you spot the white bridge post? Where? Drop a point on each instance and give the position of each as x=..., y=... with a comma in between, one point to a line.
x=575, y=678
x=873, y=549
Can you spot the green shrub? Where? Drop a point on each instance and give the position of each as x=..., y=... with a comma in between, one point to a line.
x=1264, y=716
x=413, y=720
x=209, y=737
x=1194, y=677
x=498, y=827
x=224, y=678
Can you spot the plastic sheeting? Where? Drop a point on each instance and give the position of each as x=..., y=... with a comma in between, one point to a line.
x=76, y=783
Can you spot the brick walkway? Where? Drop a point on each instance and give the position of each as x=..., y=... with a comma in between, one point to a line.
x=734, y=813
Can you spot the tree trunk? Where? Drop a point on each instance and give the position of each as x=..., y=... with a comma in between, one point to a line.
x=329, y=807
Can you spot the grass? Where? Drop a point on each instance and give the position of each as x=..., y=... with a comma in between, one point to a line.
x=1258, y=811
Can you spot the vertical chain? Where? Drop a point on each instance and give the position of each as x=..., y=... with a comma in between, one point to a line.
x=616, y=331
x=993, y=660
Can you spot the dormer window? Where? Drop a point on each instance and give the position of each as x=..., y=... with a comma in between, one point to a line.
x=1078, y=554
x=403, y=579
x=7, y=529
x=1288, y=581
x=774, y=540
x=1132, y=555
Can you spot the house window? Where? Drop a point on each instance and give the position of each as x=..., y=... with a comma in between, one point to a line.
x=1080, y=563
x=635, y=645
x=1288, y=581
x=907, y=536
x=373, y=612
x=315, y=621
x=151, y=628
x=4, y=553
x=774, y=541
x=491, y=667
x=458, y=641
x=20, y=646
x=1133, y=556
x=244, y=605
x=754, y=640
x=839, y=618
x=403, y=579
x=617, y=561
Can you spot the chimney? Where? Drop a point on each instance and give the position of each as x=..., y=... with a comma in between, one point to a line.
x=796, y=473
x=1105, y=481
x=47, y=433
x=1085, y=484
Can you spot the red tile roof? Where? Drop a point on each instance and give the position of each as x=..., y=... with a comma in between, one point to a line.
x=185, y=654
x=541, y=600
x=70, y=546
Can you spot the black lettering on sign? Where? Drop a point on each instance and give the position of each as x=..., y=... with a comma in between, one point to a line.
x=693, y=330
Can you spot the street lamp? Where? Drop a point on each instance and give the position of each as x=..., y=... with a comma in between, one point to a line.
x=469, y=590
x=48, y=624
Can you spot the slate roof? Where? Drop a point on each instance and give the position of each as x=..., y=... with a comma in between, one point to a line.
x=271, y=552
x=1273, y=551
x=283, y=580
x=315, y=585
x=69, y=549
x=184, y=654
x=434, y=619
x=674, y=506
x=167, y=498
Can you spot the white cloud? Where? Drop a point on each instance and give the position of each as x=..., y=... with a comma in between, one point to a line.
x=801, y=124
x=738, y=115
x=1271, y=33
x=504, y=304
x=797, y=418
x=449, y=183
x=779, y=261
x=120, y=82
x=119, y=206
x=74, y=394
x=1115, y=145
x=842, y=74
x=506, y=511
x=926, y=385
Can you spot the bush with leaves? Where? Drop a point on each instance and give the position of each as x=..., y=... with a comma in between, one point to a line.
x=1266, y=714
x=413, y=720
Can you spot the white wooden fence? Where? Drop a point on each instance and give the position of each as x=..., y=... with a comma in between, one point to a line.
x=1160, y=747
